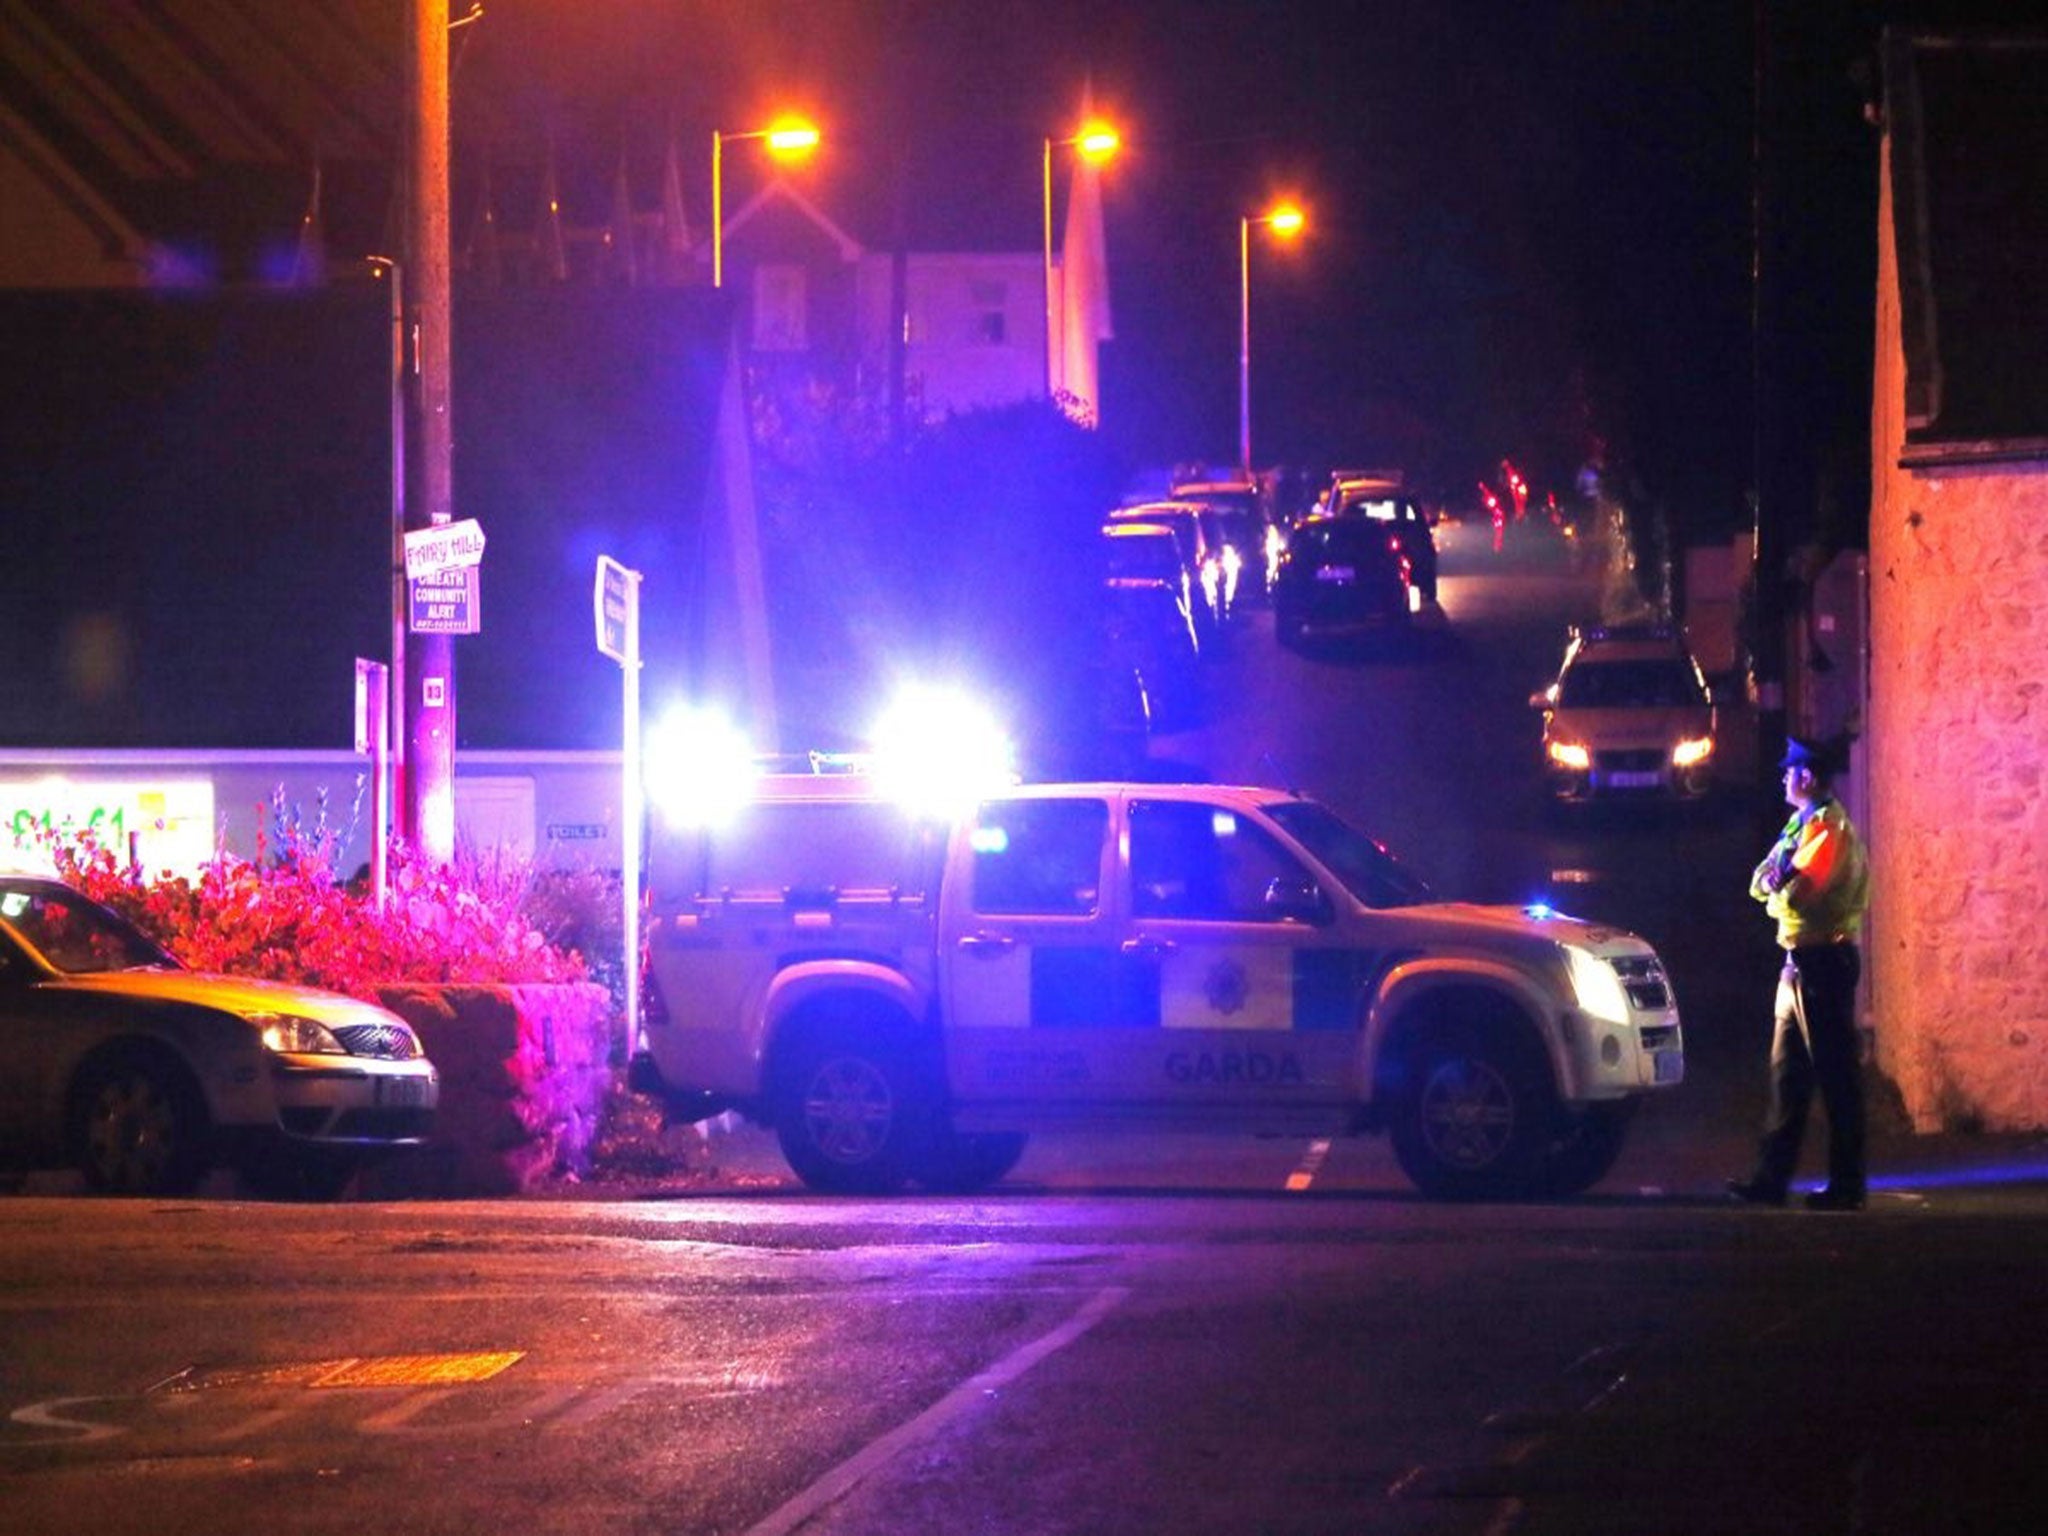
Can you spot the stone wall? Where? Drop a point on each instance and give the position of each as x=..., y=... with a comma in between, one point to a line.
x=524, y=1072
x=1958, y=823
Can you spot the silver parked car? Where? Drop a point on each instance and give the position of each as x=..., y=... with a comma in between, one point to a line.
x=144, y=1075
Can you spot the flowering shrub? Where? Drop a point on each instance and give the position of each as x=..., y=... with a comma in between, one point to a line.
x=285, y=916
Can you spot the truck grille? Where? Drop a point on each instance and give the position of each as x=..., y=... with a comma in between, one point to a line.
x=1643, y=979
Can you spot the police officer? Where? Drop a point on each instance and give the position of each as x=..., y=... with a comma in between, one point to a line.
x=1815, y=882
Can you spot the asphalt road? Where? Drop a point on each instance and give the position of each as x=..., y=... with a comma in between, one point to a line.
x=1131, y=1335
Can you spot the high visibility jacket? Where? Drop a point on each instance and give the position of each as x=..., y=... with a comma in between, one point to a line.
x=1815, y=881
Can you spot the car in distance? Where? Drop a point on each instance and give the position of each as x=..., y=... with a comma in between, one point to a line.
x=1404, y=521
x=1202, y=549
x=1628, y=716
x=143, y=1075
x=1341, y=577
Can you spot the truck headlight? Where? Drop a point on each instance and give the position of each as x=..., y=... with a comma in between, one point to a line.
x=1597, y=985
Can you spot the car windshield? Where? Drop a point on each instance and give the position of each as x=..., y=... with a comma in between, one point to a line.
x=1647, y=684
x=74, y=933
x=1368, y=871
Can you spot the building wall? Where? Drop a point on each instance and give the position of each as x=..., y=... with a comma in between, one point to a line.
x=976, y=327
x=1958, y=821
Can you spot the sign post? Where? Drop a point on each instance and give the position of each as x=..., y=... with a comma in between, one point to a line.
x=617, y=603
x=373, y=736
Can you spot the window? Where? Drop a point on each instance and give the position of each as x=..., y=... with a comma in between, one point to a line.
x=1039, y=857
x=781, y=307
x=988, y=305
x=1200, y=861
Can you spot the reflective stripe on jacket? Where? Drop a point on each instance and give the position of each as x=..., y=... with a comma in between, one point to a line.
x=1815, y=881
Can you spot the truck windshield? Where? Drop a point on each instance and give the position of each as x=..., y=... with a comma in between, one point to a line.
x=1368, y=871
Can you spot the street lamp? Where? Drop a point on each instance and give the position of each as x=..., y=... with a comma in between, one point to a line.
x=787, y=138
x=1095, y=143
x=1286, y=221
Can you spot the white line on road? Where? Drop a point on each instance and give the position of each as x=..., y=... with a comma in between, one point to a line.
x=842, y=1479
x=1311, y=1165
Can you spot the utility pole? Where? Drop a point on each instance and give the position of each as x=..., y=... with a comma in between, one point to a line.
x=429, y=681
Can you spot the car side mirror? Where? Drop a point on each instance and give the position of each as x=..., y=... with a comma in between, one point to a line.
x=1299, y=901
x=1546, y=699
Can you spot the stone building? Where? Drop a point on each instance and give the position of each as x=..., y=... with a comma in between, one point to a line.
x=1958, y=720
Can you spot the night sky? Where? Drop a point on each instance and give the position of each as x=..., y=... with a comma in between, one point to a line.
x=1532, y=221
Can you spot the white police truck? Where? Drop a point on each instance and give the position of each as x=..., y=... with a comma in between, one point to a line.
x=905, y=999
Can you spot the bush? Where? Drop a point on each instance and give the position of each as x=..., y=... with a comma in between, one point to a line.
x=285, y=916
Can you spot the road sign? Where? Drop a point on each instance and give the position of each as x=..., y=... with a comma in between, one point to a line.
x=447, y=603
x=444, y=547
x=617, y=601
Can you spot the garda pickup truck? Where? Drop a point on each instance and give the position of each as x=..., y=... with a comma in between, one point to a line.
x=904, y=1000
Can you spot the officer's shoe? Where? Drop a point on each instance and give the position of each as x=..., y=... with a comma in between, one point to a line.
x=1756, y=1192
x=1832, y=1199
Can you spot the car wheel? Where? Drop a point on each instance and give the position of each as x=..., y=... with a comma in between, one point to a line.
x=1585, y=1148
x=139, y=1128
x=1473, y=1123
x=850, y=1118
x=953, y=1163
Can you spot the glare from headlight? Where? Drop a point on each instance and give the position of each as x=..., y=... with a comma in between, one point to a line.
x=1692, y=751
x=1569, y=754
x=937, y=751
x=1597, y=984
x=698, y=767
x=292, y=1036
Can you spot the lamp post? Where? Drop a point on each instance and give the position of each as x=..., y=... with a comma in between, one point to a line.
x=428, y=751
x=787, y=138
x=1095, y=143
x=1286, y=221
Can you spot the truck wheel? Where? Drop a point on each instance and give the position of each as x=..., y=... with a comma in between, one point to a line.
x=954, y=1163
x=850, y=1119
x=139, y=1127
x=1473, y=1126
x=1585, y=1148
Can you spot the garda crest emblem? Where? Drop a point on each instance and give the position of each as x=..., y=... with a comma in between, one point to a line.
x=1227, y=987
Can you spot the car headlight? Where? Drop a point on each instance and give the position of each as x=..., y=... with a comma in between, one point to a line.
x=1692, y=751
x=1569, y=754
x=289, y=1035
x=1597, y=985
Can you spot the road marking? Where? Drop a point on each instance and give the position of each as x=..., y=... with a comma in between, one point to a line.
x=842, y=1479
x=1311, y=1165
x=417, y=1370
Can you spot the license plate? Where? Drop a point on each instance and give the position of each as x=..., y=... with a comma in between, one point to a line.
x=1337, y=573
x=1635, y=780
x=1670, y=1067
x=401, y=1092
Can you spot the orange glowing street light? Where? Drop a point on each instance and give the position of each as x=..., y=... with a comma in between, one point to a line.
x=787, y=138
x=1286, y=221
x=1095, y=143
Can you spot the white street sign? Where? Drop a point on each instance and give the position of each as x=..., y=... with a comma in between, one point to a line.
x=445, y=547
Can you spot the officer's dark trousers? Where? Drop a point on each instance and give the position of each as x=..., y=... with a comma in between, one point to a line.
x=1816, y=1046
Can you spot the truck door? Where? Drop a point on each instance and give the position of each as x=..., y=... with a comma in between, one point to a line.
x=1031, y=976
x=1257, y=993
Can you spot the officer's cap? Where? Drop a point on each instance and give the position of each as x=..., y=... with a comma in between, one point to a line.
x=1824, y=758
